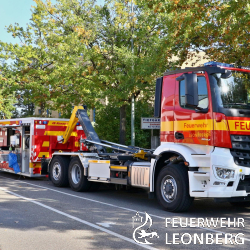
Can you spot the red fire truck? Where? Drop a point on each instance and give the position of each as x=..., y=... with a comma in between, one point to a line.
x=34, y=140
x=204, y=151
x=205, y=143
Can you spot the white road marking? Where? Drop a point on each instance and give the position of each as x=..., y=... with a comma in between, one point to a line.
x=106, y=224
x=111, y=205
x=83, y=198
x=78, y=219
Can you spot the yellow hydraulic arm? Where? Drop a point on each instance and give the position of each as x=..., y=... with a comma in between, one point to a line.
x=71, y=125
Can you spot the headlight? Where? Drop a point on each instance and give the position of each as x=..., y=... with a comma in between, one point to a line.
x=224, y=173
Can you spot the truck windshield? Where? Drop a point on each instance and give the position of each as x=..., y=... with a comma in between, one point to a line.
x=233, y=92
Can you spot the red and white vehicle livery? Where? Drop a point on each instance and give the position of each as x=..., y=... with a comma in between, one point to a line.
x=205, y=143
x=204, y=151
x=34, y=140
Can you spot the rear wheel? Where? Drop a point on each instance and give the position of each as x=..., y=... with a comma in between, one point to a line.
x=77, y=181
x=59, y=171
x=172, y=188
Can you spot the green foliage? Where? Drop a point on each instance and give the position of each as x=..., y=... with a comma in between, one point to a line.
x=219, y=28
x=23, y=107
x=6, y=102
x=107, y=124
x=45, y=66
x=142, y=136
x=76, y=52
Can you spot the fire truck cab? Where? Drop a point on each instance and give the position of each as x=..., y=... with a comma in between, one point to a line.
x=205, y=123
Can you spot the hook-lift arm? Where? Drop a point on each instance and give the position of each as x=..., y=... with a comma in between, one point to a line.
x=71, y=125
x=80, y=114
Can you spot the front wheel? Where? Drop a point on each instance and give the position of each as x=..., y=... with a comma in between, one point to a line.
x=172, y=188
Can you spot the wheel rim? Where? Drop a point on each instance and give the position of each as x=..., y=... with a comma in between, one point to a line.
x=76, y=173
x=57, y=170
x=168, y=188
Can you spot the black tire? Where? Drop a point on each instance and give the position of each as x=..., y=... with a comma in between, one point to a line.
x=59, y=171
x=77, y=181
x=240, y=204
x=172, y=188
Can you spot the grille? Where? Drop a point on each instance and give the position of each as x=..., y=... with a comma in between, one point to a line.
x=241, y=149
x=244, y=184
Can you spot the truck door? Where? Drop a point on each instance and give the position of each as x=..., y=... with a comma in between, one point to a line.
x=167, y=110
x=192, y=126
x=25, y=148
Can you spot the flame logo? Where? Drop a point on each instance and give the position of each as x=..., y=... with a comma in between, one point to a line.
x=144, y=233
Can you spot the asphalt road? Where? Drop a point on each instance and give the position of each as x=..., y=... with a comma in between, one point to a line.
x=36, y=215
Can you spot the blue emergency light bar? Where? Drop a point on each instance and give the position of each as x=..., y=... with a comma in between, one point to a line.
x=218, y=64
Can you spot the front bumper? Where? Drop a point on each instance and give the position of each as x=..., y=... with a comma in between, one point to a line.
x=205, y=182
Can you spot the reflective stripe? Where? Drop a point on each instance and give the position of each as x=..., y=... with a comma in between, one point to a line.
x=37, y=165
x=41, y=154
x=221, y=125
x=56, y=133
x=187, y=125
x=191, y=125
x=117, y=167
x=167, y=126
x=98, y=161
x=5, y=123
x=58, y=123
x=45, y=144
x=239, y=125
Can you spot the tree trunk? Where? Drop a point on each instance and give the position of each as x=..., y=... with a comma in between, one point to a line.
x=122, y=137
x=42, y=107
x=31, y=109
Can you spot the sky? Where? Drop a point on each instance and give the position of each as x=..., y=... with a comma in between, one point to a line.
x=15, y=11
x=11, y=12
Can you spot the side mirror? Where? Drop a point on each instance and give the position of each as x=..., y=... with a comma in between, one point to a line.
x=191, y=86
x=191, y=89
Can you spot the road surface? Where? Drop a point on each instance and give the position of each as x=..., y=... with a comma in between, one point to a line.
x=36, y=215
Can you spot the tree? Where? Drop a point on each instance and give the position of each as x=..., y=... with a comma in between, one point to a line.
x=6, y=105
x=24, y=107
x=77, y=52
x=7, y=100
x=44, y=68
x=107, y=124
x=119, y=67
x=219, y=28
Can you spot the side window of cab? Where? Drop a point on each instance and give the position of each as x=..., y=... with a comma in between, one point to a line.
x=202, y=93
